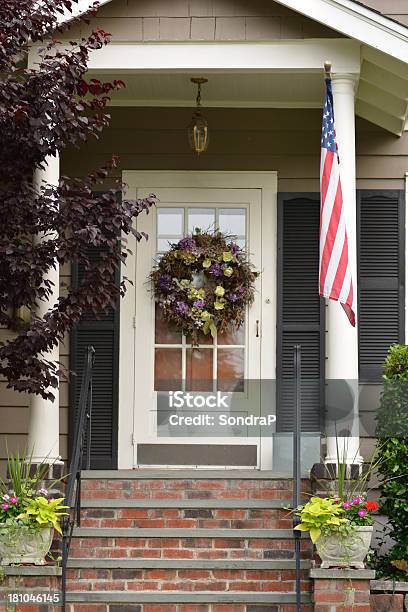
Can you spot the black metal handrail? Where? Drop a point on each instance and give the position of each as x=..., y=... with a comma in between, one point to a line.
x=297, y=474
x=82, y=436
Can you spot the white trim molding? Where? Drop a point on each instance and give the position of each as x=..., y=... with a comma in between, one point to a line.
x=306, y=55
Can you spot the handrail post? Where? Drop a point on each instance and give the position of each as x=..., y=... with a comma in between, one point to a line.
x=82, y=434
x=297, y=474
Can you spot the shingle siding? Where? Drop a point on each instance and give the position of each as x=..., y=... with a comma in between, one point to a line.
x=396, y=9
x=181, y=20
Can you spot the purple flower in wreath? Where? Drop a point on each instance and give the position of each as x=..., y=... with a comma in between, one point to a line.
x=165, y=283
x=187, y=243
x=216, y=270
x=199, y=303
x=234, y=297
x=234, y=249
x=181, y=308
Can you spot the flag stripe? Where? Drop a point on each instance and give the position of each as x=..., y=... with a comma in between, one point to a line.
x=335, y=278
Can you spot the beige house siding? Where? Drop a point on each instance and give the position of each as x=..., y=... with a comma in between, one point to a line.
x=285, y=140
x=14, y=406
x=396, y=9
x=171, y=20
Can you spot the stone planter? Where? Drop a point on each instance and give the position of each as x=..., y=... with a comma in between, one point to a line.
x=336, y=550
x=25, y=546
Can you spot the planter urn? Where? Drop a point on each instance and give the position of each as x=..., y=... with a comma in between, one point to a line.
x=28, y=546
x=338, y=550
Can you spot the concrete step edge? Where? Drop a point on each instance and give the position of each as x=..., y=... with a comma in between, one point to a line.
x=183, y=474
x=126, y=563
x=187, y=532
x=183, y=597
x=273, y=504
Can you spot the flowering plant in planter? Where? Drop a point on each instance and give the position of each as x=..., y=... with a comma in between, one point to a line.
x=28, y=514
x=340, y=528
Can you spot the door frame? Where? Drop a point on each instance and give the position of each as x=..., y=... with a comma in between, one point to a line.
x=135, y=179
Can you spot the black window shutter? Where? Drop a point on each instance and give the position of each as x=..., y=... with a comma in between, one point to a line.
x=103, y=334
x=381, y=277
x=300, y=310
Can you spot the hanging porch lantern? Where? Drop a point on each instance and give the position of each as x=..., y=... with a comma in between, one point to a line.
x=198, y=128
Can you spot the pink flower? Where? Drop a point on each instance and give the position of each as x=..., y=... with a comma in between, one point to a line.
x=346, y=505
x=43, y=491
x=6, y=497
x=361, y=513
x=356, y=501
x=13, y=500
x=5, y=506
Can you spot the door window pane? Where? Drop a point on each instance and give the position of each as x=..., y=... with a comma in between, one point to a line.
x=201, y=218
x=237, y=336
x=230, y=369
x=167, y=369
x=199, y=369
x=165, y=333
x=233, y=221
x=170, y=221
x=170, y=226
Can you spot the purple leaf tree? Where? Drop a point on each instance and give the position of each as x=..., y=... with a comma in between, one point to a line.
x=43, y=110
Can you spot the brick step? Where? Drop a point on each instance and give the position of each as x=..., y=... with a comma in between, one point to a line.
x=183, y=607
x=185, y=580
x=189, y=544
x=179, y=489
x=203, y=597
x=198, y=517
x=234, y=494
x=122, y=563
x=184, y=474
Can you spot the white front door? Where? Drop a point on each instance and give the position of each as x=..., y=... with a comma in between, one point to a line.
x=164, y=360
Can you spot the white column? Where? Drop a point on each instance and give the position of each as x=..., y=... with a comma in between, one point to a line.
x=43, y=429
x=341, y=337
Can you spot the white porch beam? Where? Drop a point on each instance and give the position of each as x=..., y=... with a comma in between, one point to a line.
x=43, y=427
x=299, y=55
x=342, y=339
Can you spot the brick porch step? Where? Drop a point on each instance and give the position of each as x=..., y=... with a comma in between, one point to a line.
x=186, y=543
x=186, y=538
x=203, y=597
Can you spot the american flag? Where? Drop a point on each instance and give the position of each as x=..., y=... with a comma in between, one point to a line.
x=335, y=280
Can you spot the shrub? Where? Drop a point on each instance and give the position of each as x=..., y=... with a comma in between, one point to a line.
x=392, y=432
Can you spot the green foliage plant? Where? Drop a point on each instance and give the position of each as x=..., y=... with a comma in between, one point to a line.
x=392, y=433
x=320, y=516
x=44, y=512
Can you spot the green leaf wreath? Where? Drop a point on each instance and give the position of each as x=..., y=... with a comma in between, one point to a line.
x=203, y=284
